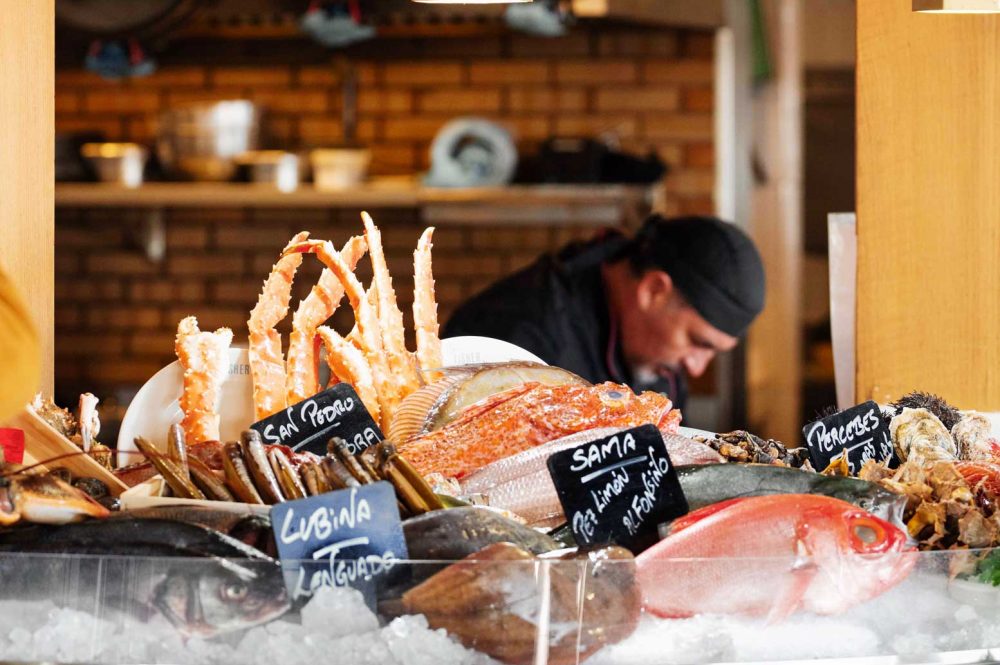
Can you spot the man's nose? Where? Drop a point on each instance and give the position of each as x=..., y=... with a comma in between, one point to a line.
x=696, y=362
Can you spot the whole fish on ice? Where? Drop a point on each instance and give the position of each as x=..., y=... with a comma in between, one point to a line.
x=529, y=415
x=771, y=556
x=521, y=483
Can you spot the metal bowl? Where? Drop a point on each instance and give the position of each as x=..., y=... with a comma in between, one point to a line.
x=201, y=141
x=120, y=163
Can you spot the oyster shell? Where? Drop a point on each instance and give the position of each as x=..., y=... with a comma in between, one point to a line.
x=919, y=436
x=972, y=434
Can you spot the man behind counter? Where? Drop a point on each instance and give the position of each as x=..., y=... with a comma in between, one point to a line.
x=647, y=311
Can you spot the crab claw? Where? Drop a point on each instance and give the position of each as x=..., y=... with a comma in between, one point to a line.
x=44, y=499
x=306, y=247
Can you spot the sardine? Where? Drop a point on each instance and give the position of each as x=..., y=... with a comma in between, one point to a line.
x=704, y=485
x=203, y=582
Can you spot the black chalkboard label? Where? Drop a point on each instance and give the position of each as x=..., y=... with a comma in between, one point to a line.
x=618, y=488
x=859, y=433
x=308, y=425
x=351, y=537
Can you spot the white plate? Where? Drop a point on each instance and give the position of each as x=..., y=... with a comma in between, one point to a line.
x=157, y=406
x=470, y=350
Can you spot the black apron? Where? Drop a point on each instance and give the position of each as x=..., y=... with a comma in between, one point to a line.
x=557, y=309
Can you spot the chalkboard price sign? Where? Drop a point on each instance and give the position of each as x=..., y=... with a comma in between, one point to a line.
x=859, y=433
x=308, y=425
x=618, y=488
x=351, y=537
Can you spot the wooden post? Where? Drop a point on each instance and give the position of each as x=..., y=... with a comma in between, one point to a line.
x=928, y=204
x=27, y=244
x=774, y=362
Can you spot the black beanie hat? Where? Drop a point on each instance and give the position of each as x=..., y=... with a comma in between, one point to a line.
x=715, y=266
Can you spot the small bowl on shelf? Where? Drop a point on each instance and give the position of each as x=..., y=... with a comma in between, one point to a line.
x=120, y=163
x=339, y=168
x=276, y=168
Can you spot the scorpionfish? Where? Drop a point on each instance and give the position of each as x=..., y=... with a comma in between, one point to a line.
x=529, y=415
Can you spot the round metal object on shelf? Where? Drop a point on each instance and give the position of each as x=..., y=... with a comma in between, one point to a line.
x=201, y=141
x=472, y=152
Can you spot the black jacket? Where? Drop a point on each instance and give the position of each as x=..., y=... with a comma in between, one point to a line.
x=557, y=309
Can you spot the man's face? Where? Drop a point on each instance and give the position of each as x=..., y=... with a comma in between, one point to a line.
x=662, y=331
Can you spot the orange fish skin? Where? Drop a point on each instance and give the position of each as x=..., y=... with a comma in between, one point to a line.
x=798, y=551
x=529, y=415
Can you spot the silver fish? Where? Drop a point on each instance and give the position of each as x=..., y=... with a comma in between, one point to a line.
x=522, y=485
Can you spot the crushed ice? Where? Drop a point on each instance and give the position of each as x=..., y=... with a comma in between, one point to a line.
x=337, y=628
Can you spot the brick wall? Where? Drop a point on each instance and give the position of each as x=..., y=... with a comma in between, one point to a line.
x=116, y=311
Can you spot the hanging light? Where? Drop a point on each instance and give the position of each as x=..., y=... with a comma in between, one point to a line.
x=957, y=6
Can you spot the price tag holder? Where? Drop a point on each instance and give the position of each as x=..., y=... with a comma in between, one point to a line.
x=619, y=488
x=351, y=537
x=308, y=425
x=859, y=433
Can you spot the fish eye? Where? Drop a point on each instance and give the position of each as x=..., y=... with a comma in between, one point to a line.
x=235, y=591
x=865, y=534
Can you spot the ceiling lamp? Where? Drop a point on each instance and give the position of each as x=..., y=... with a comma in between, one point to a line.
x=957, y=6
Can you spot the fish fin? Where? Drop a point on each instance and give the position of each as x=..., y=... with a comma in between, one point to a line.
x=802, y=574
x=698, y=515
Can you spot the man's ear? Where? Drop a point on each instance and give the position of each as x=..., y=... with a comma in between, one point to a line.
x=654, y=290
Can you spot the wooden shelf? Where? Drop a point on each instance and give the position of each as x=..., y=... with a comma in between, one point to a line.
x=529, y=204
x=679, y=13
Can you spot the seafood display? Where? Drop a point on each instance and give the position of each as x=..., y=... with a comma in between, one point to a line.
x=848, y=556
x=492, y=571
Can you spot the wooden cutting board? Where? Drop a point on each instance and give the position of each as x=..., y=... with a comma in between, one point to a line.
x=43, y=442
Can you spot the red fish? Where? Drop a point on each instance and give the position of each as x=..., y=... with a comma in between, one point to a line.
x=529, y=415
x=771, y=556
